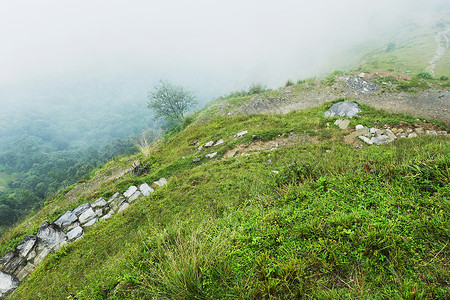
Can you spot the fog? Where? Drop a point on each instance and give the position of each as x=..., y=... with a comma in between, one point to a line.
x=209, y=45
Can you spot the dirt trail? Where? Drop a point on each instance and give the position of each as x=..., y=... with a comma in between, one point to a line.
x=442, y=41
x=431, y=104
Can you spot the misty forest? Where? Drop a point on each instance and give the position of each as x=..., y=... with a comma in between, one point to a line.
x=252, y=150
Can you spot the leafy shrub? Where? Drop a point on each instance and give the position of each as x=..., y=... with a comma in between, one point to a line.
x=424, y=75
x=444, y=78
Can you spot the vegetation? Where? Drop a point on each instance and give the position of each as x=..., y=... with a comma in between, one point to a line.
x=331, y=222
x=170, y=102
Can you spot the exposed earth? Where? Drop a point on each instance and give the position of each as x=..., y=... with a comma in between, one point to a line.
x=430, y=103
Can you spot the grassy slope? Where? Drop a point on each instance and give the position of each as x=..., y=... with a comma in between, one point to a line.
x=336, y=222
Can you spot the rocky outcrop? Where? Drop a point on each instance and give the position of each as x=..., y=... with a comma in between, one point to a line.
x=343, y=109
x=69, y=227
x=358, y=84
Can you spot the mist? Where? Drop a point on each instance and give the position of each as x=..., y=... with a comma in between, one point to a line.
x=211, y=46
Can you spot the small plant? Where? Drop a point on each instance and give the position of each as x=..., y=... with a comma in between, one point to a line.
x=148, y=141
x=443, y=78
x=289, y=83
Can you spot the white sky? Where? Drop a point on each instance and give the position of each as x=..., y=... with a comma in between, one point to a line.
x=241, y=40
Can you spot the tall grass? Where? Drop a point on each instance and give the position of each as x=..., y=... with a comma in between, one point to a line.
x=148, y=141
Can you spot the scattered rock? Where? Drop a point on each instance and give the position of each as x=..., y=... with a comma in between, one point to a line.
x=66, y=219
x=99, y=212
x=219, y=142
x=123, y=207
x=358, y=84
x=133, y=197
x=211, y=155
x=365, y=140
x=146, y=189
x=242, y=133
x=342, y=124
x=99, y=203
x=87, y=216
x=343, y=109
x=197, y=159
x=116, y=202
x=230, y=154
x=412, y=135
x=25, y=271
x=81, y=209
x=161, y=182
x=200, y=148
x=359, y=126
x=91, y=222
x=75, y=233
x=130, y=191
x=209, y=144
x=107, y=216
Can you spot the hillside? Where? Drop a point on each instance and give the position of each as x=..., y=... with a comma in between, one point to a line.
x=261, y=194
x=266, y=197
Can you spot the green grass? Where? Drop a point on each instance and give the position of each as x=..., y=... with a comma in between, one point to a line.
x=335, y=222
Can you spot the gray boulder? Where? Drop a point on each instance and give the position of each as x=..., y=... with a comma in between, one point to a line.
x=7, y=284
x=26, y=245
x=343, y=109
x=133, y=197
x=66, y=219
x=209, y=144
x=99, y=203
x=75, y=233
x=51, y=235
x=211, y=155
x=81, y=209
x=87, y=216
x=117, y=202
x=12, y=262
x=25, y=271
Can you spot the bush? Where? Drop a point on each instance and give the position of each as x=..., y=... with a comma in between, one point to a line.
x=424, y=75
x=443, y=78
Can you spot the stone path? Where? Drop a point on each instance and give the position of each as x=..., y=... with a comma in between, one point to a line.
x=69, y=227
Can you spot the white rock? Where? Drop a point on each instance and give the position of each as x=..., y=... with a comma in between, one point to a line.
x=130, y=191
x=146, y=189
x=66, y=219
x=25, y=271
x=72, y=226
x=90, y=223
x=99, y=203
x=211, y=155
x=242, y=133
x=26, y=245
x=123, y=207
x=219, y=142
x=412, y=135
x=99, y=212
x=161, y=182
x=113, y=197
x=81, y=209
x=107, y=216
x=51, y=235
x=7, y=283
x=75, y=233
x=133, y=197
x=87, y=216
x=359, y=126
x=342, y=124
x=431, y=132
x=365, y=140
x=209, y=144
